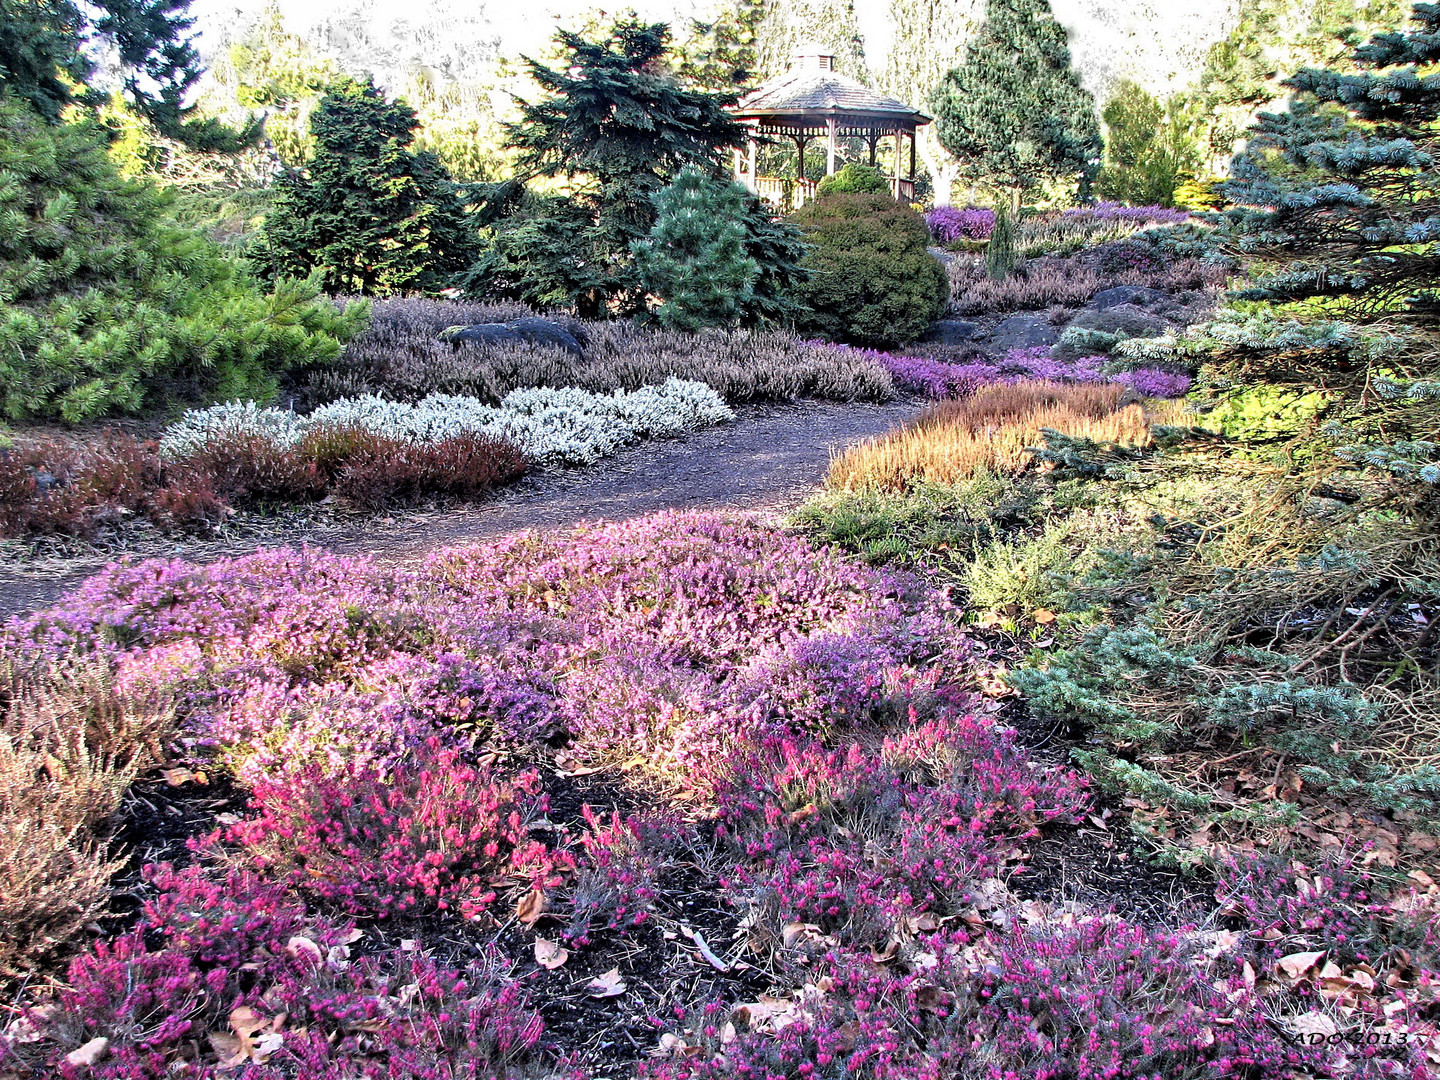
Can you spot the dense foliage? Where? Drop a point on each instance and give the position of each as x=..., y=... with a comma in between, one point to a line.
x=619, y=127
x=1013, y=113
x=48, y=50
x=872, y=281
x=1151, y=147
x=853, y=179
x=367, y=214
x=110, y=307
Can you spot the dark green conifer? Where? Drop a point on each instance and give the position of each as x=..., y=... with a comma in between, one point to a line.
x=368, y=213
x=1013, y=113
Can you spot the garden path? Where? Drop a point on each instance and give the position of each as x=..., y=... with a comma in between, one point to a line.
x=769, y=459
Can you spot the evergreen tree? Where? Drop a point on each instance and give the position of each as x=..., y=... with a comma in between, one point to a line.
x=724, y=53
x=1335, y=203
x=790, y=25
x=1014, y=114
x=369, y=214
x=107, y=306
x=694, y=258
x=620, y=127
x=1150, y=148
x=45, y=49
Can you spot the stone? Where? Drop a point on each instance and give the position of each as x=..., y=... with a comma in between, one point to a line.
x=531, y=330
x=952, y=332
x=1135, y=295
x=1023, y=332
x=1125, y=319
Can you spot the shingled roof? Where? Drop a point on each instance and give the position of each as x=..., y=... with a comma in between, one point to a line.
x=811, y=86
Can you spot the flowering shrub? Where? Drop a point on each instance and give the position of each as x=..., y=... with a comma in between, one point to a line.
x=436, y=835
x=1046, y=281
x=948, y=224
x=230, y=974
x=569, y=426
x=614, y=884
x=1139, y=215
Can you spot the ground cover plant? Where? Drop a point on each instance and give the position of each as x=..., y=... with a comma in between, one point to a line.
x=689, y=777
x=402, y=355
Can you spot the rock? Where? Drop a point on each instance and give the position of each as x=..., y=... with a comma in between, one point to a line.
x=1023, y=332
x=1124, y=319
x=1135, y=295
x=952, y=332
x=528, y=330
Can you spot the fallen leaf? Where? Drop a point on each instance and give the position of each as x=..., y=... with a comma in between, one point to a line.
x=92, y=1052
x=297, y=945
x=1314, y=1024
x=530, y=907
x=607, y=985
x=549, y=954
x=1296, y=964
x=1044, y=616
x=245, y=1021
x=176, y=777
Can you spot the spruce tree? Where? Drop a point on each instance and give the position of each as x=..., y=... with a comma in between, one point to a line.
x=45, y=50
x=694, y=258
x=367, y=213
x=1013, y=113
x=620, y=126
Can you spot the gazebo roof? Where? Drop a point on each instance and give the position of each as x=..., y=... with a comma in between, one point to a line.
x=813, y=90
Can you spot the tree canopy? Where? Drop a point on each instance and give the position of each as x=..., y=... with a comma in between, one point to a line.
x=45, y=61
x=1013, y=113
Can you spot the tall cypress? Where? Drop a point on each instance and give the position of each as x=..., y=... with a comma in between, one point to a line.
x=1013, y=113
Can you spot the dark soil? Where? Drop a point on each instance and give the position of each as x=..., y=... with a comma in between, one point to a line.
x=769, y=459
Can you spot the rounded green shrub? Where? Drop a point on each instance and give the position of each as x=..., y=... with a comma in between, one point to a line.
x=854, y=179
x=872, y=282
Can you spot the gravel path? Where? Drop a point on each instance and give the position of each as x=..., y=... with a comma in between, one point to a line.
x=768, y=460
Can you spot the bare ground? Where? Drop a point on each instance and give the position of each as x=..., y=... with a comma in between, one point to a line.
x=769, y=459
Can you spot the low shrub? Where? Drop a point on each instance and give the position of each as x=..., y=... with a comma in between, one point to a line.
x=401, y=357
x=1045, y=282
x=435, y=835
x=568, y=427
x=70, y=745
x=949, y=224
x=853, y=179
x=992, y=429
x=872, y=280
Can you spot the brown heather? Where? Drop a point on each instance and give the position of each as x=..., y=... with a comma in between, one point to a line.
x=401, y=356
x=992, y=429
x=69, y=748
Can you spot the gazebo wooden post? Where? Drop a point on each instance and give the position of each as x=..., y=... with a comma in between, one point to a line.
x=800, y=141
x=872, y=141
x=912, y=155
x=830, y=146
x=752, y=149
x=895, y=180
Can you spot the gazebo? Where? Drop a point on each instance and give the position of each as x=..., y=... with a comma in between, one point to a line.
x=811, y=101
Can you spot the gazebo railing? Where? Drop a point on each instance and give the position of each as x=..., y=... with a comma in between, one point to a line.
x=788, y=194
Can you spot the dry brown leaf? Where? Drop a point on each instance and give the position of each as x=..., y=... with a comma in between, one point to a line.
x=91, y=1053
x=1044, y=616
x=297, y=945
x=1297, y=964
x=530, y=907
x=607, y=985
x=549, y=954
x=178, y=776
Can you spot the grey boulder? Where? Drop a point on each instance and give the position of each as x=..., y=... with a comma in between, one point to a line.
x=1132, y=295
x=1125, y=320
x=530, y=330
x=952, y=332
x=1023, y=332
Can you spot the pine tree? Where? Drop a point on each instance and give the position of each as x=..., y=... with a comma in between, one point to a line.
x=724, y=53
x=45, y=49
x=1013, y=113
x=369, y=214
x=619, y=125
x=107, y=306
x=694, y=258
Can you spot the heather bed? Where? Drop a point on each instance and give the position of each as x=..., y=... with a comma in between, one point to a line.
x=805, y=834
